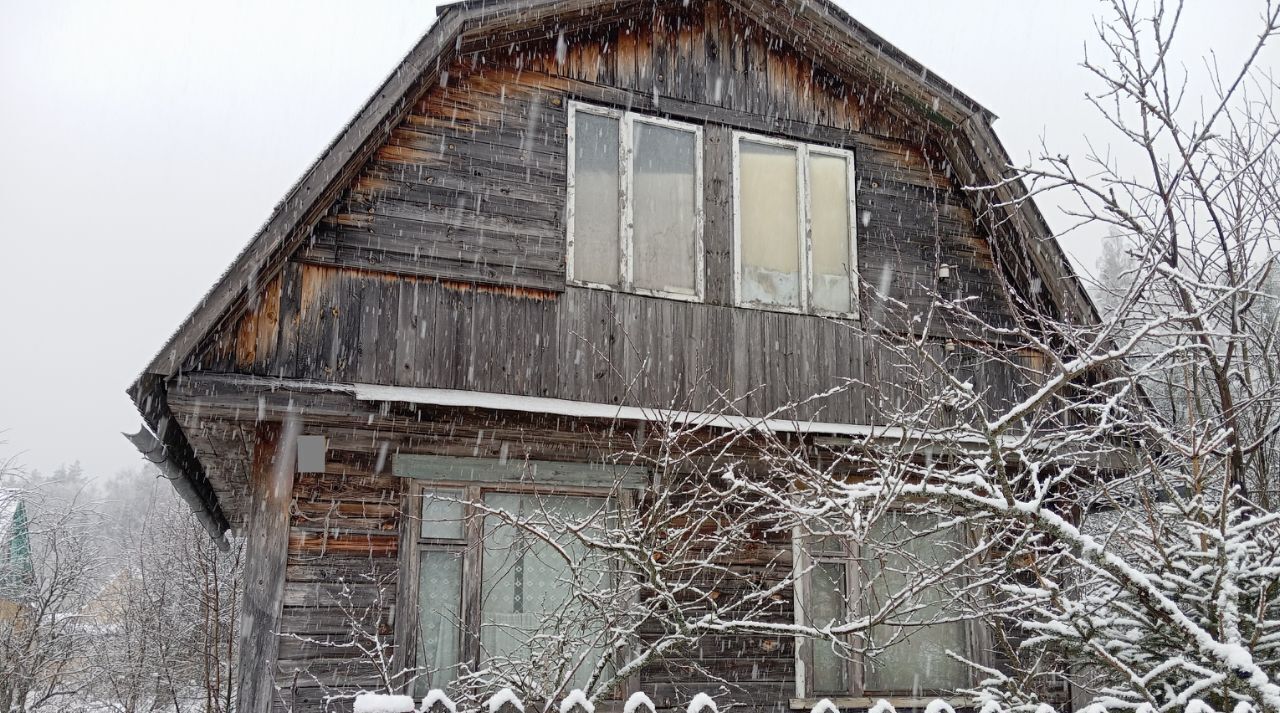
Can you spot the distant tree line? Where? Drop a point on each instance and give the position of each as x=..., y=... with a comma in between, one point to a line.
x=126, y=604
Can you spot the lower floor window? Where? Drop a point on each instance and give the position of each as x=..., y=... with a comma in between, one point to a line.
x=848, y=579
x=505, y=586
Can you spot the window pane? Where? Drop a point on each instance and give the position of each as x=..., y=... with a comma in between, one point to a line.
x=442, y=514
x=917, y=660
x=829, y=221
x=439, y=594
x=828, y=603
x=595, y=199
x=663, y=212
x=530, y=618
x=770, y=258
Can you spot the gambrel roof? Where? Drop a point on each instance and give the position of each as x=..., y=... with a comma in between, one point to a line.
x=824, y=34
x=818, y=27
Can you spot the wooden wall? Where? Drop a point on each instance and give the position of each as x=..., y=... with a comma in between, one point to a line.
x=345, y=531
x=472, y=184
x=443, y=265
x=357, y=326
x=341, y=578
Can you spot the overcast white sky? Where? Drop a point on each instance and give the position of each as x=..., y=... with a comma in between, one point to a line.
x=143, y=142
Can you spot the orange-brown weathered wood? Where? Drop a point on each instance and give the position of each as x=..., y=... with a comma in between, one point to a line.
x=266, y=553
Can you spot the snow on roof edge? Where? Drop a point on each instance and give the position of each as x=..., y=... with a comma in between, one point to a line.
x=587, y=409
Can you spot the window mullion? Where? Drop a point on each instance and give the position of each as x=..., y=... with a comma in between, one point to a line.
x=699, y=217
x=858, y=606
x=850, y=192
x=570, y=189
x=471, y=585
x=406, y=612
x=626, y=162
x=800, y=611
x=806, y=228
x=735, y=171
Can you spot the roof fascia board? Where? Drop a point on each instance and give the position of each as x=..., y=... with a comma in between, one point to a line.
x=257, y=261
x=1042, y=246
x=871, y=47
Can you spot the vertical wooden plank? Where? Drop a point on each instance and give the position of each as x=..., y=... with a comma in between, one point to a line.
x=315, y=322
x=479, y=340
x=631, y=348
x=266, y=553
x=453, y=314
x=366, y=357
x=740, y=329
x=848, y=361
x=349, y=306
x=388, y=316
x=564, y=370
x=717, y=353
x=717, y=201
x=674, y=341
x=816, y=361
x=543, y=378
x=286, y=356
x=267, y=324
x=694, y=343
x=407, y=372
x=517, y=345
x=712, y=82
x=658, y=66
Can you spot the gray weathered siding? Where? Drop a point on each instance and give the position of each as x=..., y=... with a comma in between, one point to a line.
x=443, y=264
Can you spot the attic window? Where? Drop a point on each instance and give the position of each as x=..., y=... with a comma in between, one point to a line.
x=635, y=197
x=795, y=240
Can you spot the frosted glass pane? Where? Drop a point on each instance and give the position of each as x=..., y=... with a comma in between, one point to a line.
x=663, y=209
x=828, y=603
x=917, y=662
x=596, y=199
x=829, y=223
x=770, y=258
x=530, y=619
x=442, y=514
x=439, y=624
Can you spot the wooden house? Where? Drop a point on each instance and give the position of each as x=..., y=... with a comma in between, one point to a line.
x=17, y=570
x=555, y=222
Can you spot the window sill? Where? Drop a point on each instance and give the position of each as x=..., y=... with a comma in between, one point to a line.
x=898, y=702
x=638, y=291
x=825, y=314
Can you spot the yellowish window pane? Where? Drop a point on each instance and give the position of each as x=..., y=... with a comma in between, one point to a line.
x=829, y=221
x=596, y=212
x=770, y=225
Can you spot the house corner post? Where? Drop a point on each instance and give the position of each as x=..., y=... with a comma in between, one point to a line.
x=266, y=553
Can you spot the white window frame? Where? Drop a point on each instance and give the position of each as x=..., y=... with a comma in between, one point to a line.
x=626, y=230
x=804, y=227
